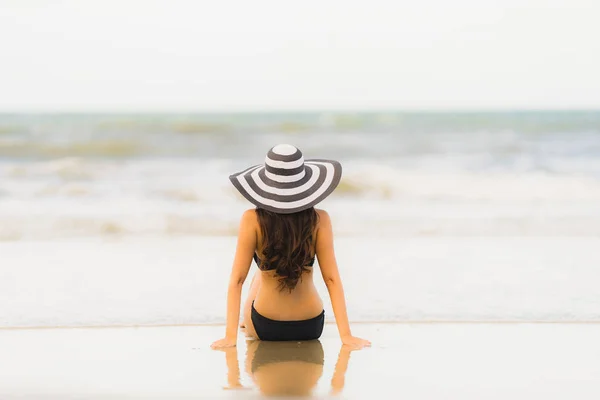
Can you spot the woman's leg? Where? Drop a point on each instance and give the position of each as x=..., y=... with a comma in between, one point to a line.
x=247, y=318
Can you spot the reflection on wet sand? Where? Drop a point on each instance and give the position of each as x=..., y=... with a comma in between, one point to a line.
x=285, y=368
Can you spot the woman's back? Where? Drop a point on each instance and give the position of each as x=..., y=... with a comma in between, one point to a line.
x=300, y=299
x=303, y=302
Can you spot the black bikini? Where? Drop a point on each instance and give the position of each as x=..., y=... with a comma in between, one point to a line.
x=270, y=329
x=257, y=261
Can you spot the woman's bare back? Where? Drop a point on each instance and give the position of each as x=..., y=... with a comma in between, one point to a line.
x=301, y=303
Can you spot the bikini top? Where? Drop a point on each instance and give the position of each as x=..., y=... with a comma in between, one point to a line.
x=257, y=261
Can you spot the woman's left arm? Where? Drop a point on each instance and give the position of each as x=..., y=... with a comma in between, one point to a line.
x=246, y=246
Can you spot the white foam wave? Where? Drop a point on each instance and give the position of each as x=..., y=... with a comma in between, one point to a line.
x=73, y=197
x=393, y=183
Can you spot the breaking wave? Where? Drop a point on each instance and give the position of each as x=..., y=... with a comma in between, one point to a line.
x=78, y=197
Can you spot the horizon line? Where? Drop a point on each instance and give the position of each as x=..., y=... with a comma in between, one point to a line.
x=365, y=110
x=327, y=322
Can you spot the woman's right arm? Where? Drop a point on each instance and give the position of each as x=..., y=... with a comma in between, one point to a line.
x=331, y=277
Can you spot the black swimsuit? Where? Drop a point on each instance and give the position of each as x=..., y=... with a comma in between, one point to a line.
x=257, y=261
x=270, y=329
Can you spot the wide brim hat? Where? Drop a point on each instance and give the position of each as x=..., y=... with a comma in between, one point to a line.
x=287, y=183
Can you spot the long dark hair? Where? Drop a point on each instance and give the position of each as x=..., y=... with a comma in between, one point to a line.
x=287, y=244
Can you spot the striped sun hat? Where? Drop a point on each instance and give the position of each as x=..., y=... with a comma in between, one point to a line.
x=286, y=183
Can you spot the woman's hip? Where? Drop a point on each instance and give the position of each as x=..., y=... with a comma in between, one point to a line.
x=276, y=330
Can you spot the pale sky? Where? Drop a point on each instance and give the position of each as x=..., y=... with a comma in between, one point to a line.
x=221, y=55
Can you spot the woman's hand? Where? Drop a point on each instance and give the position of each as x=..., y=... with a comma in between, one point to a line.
x=224, y=343
x=355, y=342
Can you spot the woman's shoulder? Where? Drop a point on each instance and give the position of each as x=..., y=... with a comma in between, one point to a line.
x=324, y=218
x=250, y=214
x=249, y=217
x=322, y=213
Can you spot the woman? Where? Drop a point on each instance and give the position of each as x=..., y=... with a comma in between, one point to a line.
x=283, y=235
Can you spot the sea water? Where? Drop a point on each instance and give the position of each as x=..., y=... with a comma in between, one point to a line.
x=501, y=211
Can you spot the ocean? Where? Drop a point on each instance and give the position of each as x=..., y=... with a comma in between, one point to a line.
x=412, y=174
x=118, y=219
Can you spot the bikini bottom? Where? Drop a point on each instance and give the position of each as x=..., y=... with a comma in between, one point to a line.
x=270, y=329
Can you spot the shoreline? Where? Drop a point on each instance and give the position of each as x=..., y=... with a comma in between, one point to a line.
x=408, y=322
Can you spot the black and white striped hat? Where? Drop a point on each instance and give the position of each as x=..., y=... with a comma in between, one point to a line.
x=286, y=183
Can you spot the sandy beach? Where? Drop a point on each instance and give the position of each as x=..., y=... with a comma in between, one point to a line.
x=134, y=318
x=125, y=282
x=416, y=361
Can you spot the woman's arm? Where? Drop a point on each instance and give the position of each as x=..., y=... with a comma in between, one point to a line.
x=331, y=277
x=246, y=246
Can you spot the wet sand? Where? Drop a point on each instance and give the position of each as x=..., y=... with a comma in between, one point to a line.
x=407, y=360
